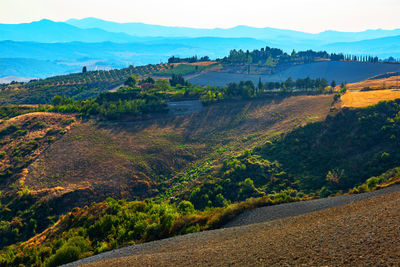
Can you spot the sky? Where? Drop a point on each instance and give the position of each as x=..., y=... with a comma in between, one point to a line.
x=303, y=15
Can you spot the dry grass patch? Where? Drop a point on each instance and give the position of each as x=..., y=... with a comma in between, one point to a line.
x=357, y=99
x=24, y=138
x=385, y=83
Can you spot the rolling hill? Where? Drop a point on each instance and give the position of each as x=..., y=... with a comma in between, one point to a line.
x=69, y=57
x=273, y=148
x=340, y=71
x=15, y=69
x=100, y=44
x=103, y=157
x=48, y=31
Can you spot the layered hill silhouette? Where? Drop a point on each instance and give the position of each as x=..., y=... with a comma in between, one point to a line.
x=101, y=44
x=106, y=158
x=267, y=34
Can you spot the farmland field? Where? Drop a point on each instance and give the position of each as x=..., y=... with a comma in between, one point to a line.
x=357, y=99
x=340, y=71
x=392, y=82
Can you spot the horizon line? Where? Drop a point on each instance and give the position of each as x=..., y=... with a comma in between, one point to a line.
x=201, y=28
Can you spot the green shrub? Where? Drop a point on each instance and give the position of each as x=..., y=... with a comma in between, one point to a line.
x=64, y=255
x=80, y=242
x=101, y=247
x=372, y=182
x=153, y=232
x=186, y=207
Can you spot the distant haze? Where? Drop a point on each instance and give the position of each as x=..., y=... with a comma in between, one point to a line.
x=308, y=15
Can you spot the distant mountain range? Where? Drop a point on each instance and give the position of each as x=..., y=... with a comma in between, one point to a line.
x=61, y=47
x=383, y=47
x=47, y=31
x=266, y=34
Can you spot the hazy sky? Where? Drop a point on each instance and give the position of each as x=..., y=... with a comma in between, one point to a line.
x=304, y=15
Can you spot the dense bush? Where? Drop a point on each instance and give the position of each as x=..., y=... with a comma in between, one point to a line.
x=112, y=224
x=342, y=151
x=240, y=178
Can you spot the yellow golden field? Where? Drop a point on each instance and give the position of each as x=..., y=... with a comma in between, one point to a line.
x=358, y=99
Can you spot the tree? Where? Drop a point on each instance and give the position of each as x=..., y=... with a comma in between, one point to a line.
x=84, y=69
x=269, y=62
x=57, y=100
x=147, y=80
x=177, y=79
x=260, y=84
x=293, y=53
x=162, y=85
x=289, y=83
x=333, y=84
x=131, y=81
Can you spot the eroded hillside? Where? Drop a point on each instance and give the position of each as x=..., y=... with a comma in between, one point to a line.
x=145, y=158
x=24, y=138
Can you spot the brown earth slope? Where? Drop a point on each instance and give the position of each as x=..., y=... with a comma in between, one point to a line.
x=364, y=233
x=126, y=159
x=23, y=138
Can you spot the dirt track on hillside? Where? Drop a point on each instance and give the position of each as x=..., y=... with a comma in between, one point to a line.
x=363, y=233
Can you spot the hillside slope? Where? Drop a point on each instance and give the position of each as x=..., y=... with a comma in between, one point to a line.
x=145, y=158
x=24, y=138
x=361, y=233
x=340, y=71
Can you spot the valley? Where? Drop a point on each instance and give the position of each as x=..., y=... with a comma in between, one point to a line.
x=101, y=160
x=223, y=159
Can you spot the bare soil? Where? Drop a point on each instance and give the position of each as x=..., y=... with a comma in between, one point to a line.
x=363, y=233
